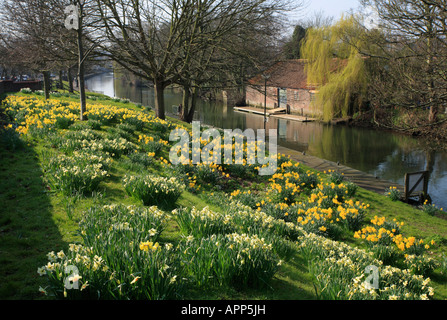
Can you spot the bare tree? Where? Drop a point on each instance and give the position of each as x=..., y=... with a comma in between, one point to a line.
x=29, y=35
x=38, y=36
x=171, y=41
x=81, y=21
x=227, y=61
x=414, y=52
x=318, y=19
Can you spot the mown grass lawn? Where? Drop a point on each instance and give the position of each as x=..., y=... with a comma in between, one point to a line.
x=37, y=219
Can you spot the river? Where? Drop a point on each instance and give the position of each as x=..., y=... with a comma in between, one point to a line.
x=386, y=155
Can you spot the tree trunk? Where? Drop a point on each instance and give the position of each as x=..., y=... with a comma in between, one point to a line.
x=195, y=93
x=70, y=80
x=433, y=114
x=61, y=83
x=81, y=76
x=81, y=70
x=46, y=84
x=185, y=103
x=159, y=87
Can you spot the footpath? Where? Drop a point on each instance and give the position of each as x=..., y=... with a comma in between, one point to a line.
x=362, y=179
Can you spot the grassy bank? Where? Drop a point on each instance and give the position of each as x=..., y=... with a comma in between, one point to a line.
x=294, y=222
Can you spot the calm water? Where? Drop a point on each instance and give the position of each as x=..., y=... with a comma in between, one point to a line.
x=386, y=155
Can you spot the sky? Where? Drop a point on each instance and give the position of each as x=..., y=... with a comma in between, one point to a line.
x=330, y=8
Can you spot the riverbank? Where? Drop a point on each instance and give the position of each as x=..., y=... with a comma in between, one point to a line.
x=29, y=202
x=435, y=135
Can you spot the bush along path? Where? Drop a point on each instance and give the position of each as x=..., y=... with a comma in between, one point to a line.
x=147, y=229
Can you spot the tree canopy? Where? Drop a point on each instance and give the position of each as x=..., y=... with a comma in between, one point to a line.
x=335, y=68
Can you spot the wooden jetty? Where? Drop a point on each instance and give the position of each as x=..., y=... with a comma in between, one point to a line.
x=280, y=113
x=293, y=117
x=255, y=110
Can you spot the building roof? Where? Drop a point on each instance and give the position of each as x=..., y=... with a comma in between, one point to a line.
x=290, y=74
x=284, y=74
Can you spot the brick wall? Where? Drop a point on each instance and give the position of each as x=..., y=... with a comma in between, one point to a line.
x=298, y=99
x=12, y=86
x=255, y=97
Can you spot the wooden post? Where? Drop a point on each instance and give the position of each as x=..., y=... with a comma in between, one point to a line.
x=408, y=190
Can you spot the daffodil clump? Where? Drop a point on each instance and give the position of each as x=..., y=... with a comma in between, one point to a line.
x=198, y=177
x=340, y=273
x=107, y=114
x=389, y=244
x=152, y=189
x=111, y=223
x=119, y=259
x=290, y=181
x=393, y=193
x=39, y=117
x=80, y=269
x=223, y=260
x=431, y=209
x=200, y=223
x=127, y=238
x=149, y=144
x=248, y=198
x=79, y=173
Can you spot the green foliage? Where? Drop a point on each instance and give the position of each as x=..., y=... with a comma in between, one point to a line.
x=336, y=68
x=292, y=48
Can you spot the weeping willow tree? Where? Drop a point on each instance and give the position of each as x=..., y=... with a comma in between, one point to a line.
x=335, y=68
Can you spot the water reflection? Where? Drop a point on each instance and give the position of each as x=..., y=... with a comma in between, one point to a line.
x=388, y=156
